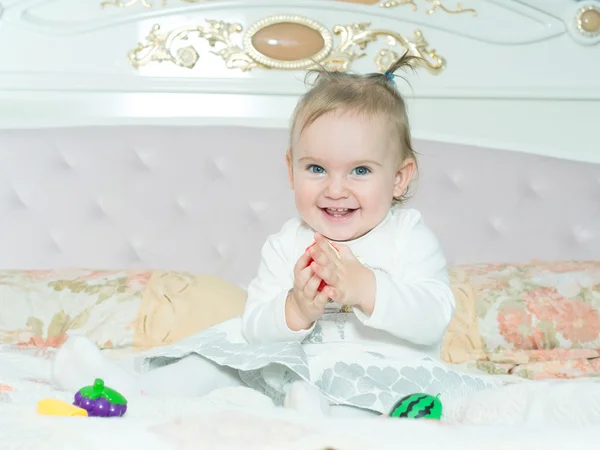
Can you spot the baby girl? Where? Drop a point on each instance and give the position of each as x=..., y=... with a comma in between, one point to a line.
x=371, y=295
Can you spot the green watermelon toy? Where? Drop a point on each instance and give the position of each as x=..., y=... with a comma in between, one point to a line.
x=418, y=406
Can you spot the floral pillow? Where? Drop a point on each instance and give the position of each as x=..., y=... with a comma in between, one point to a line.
x=40, y=307
x=131, y=309
x=517, y=314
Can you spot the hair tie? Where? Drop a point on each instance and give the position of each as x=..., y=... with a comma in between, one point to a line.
x=390, y=76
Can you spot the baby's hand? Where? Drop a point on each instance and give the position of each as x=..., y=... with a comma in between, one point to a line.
x=304, y=304
x=348, y=281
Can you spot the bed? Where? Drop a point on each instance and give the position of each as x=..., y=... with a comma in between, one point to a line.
x=142, y=152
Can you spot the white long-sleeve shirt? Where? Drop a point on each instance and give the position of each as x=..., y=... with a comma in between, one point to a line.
x=413, y=304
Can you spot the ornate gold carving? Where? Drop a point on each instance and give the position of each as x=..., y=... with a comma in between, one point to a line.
x=126, y=4
x=175, y=47
x=145, y=3
x=356, y=37
x=288, y=41
x=306, y=63
x=394, y=3
x=163, y=47
x=438, y=4
x=588, y=21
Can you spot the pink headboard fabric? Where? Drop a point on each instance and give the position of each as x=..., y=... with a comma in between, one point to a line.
x=203, y=199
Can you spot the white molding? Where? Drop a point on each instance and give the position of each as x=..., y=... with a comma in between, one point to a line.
x=542, y=25
x=519, y=125
x=32, y=82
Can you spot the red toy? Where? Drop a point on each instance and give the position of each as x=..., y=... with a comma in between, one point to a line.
x=323, y=284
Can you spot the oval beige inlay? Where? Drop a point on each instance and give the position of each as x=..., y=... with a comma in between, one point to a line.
x=288, y=41
x=590, y=20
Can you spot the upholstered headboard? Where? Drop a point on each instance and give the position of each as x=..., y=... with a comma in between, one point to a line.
x=152, y=132
x=205, y=198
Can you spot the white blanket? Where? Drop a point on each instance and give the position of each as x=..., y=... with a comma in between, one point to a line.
x=245, y=419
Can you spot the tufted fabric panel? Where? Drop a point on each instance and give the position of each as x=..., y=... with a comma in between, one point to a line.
x=204, y=200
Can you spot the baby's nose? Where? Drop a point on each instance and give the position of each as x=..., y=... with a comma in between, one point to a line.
x=337, y=188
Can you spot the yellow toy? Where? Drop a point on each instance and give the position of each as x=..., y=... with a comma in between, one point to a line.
x=53, y=407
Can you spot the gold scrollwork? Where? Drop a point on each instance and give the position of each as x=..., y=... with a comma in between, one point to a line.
x=175, y=47
x=145, y=3
x=164, y=47
x=435, y=5
x=459, y=9
x=356, y=37
x=394, y=3
x=126, y=4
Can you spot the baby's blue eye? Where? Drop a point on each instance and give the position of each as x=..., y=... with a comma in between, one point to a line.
x=362, y=170
x=315, y=169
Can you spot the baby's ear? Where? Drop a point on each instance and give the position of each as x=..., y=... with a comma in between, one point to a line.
x=290, y=166
x=403, y=177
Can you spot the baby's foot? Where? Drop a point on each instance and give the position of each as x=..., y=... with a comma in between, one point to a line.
x=306, y=399
x=79, y=362
x=69, y=372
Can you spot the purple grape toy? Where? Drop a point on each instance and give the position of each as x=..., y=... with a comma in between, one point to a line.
x=100, y=401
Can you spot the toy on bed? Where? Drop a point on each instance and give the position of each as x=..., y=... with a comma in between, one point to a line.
x=101, y=401
x=54, y=407
x=417, y=406
x=323, y=284
x=93, y=401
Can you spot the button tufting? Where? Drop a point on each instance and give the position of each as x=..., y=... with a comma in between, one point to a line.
x=222, y=250
x=53, y=246
x=455, y=179
x=219, y=165
x=583, y=235
x=132, y=255
x=182, y=204
x=537, y=188
x=137, y=244
x=145, y=197
x=15, y=202
x=64, y=163
x=258, y=209
x=143, y=157
x=98, y=211
x=497, y=225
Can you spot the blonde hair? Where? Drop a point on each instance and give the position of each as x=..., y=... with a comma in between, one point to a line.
x=373, y=94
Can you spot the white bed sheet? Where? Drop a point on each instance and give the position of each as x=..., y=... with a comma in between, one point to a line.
x=240, y=418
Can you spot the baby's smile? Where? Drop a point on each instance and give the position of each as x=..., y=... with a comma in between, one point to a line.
x=338, y=214
x=345, y=172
